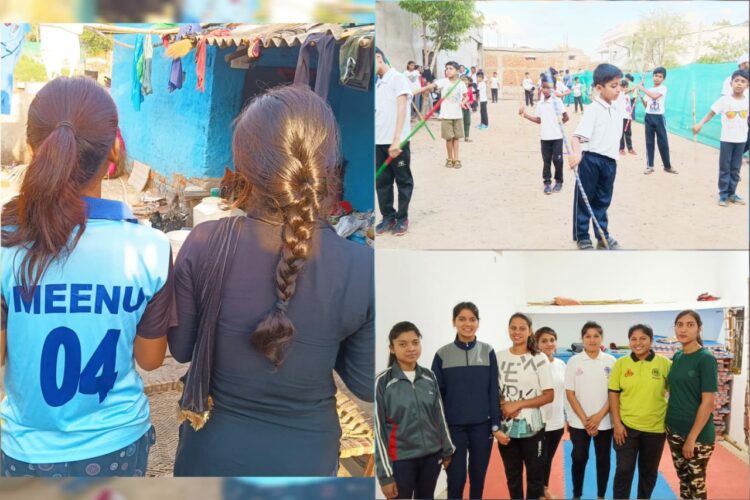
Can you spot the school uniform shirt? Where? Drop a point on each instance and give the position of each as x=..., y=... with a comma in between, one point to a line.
x=413, y=77
x=560, y=87
x=73, y=392
x=656, y=106
x=577, y=90
x=494, y=84
x=623, y=104
x=554, y=412
x=588, y=377
x=450, y=109
x=691, y=375
x=527, y=84
x=642, y=385
x=521, y=377
x=732, y=129
x=600, y=128
x=548, y=110
x=388, y=89
x=482, y=86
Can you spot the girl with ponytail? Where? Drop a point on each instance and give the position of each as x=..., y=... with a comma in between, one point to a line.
x=271, y=304
x=85, y=291
x=525, y=386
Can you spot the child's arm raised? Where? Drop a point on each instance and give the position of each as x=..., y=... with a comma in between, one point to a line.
x=653, y=95
x=426, y=88
x=522, y=112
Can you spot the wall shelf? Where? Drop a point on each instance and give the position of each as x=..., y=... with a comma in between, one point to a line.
x=626, y=308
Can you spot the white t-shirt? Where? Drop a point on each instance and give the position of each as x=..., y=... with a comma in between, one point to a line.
x=527, y=84
x=410, y=375
x=473, y=77
x=554, y=412
x=600, y=128
x=413, y=77
x=577, y=90
x=524, y=377
x=732, y=129
x=623, y=105
x=494, y=83
x=482, y=87
x=450, y=109
x=548, y=110
x=656, y=106
x=588, y=378
x=387, y=90
x=727, y=88
x=560, y=87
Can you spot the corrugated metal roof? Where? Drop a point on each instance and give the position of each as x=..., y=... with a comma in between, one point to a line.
x=276, y=35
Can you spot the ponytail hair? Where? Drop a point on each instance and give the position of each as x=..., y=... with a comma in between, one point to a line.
x=71, y=127
x=396, y=331
x=286, y=147
x=530, y=341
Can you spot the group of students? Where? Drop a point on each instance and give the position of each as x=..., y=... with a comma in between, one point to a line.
x=88, y=292
x=521, y=397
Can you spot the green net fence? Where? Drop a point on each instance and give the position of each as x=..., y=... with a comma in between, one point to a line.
x=695, y=83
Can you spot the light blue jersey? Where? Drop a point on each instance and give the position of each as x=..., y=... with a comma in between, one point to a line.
x=73, y=392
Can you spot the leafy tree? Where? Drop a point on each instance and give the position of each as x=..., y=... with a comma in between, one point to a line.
x=444, y=25
x=722, y=48
x=656, y=41
x=93, y=44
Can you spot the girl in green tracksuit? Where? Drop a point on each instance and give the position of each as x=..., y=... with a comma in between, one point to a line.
x=411, y=435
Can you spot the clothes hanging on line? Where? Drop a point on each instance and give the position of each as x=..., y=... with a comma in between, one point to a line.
x=176, y=76
x=11, y=42
x=200, y=64
x=355, y=62
x=325, y=46
x=136, y=89
x=148, y=54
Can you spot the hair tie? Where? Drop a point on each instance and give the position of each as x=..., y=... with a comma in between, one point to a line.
x=65, y=123
x=282, y=305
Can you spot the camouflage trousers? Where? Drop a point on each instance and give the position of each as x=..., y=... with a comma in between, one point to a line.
x=692, y=472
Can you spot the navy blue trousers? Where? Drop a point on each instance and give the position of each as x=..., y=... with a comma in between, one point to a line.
x=476, y=440
x=597, y=173
x=730, y=161
x=417, y=477
x=656, y=130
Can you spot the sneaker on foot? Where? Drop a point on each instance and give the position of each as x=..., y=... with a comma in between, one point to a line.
x=723, y=201
x=622, y=151
x=385, y=226
x=401, y=227
x=632, y=151
x=737, y=199
x=547, y=189
x=670, y=171
x=557, y=187
x=611, y=242
x=649, y=170
x=585, y=245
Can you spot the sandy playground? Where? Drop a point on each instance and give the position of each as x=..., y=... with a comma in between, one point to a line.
x=496, y=200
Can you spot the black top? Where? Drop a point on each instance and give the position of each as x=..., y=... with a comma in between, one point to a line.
x=333, y=314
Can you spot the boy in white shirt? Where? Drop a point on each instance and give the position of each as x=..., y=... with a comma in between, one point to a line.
x=451, y=116
x=595, y=147
x=578, y=95
x=549, y=110
x=494, y=86
x=734, y=131
x=482, y=87
x=654, y=100
x=528, y=89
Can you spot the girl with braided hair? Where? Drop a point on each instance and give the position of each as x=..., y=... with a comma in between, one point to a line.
x=269, y=305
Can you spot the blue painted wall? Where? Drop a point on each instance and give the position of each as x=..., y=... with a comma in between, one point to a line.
x=189, y=133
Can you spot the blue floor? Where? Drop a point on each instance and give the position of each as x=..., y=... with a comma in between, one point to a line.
x=662, y=489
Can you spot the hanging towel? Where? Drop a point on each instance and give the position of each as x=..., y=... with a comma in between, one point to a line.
x=11, y=40
x=148, y=54
x=325, y=46
x=200, y=64
x=136, y=94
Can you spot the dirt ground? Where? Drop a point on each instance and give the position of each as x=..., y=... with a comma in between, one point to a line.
x=496, y=201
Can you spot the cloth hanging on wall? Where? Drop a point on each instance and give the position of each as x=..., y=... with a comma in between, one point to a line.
x=356, y=63
x=176, y=76
x=136, y=90
x=148, y=54
x=200, y=64
x=325, y=46
x=11, y=42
